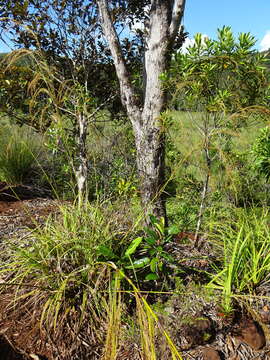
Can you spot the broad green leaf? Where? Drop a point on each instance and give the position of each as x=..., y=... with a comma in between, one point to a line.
x=140, y=263
x=160, y=265
x=160, y=225
x=151, y=233
x=152, y=252
x=167, y=257
x=151, y=276
x=133, y=246
x=153, y=264
x=105, y=251
x=153, y=219
x=150, y=241
x=160, y=228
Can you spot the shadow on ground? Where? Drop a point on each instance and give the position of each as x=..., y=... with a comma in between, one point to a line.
x=7, y=352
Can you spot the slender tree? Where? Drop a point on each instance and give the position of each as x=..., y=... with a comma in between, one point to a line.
x=162, y=27
x=224, y=81
x=68, y=69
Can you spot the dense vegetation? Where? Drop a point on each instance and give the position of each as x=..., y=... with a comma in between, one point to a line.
x=97, y=268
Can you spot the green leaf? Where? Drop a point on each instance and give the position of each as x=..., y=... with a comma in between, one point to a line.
x=153, y=219
x=173, y=230
x=133, y=246
x=151, y=276
x=153, y=264
x=150, y=241
x=160, y=227
x=140, y=263
x=151, y=233
x=105, y=251
x=152, y=252
x=167, y=257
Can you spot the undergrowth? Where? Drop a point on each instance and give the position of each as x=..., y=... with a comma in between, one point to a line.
x=244, y=242
x=19, y=154
x=58, y=277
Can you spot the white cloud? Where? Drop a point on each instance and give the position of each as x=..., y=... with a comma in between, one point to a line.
x=265, y=43
x=190, y=42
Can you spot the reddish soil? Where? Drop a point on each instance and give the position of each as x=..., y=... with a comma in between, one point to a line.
x=17, y=216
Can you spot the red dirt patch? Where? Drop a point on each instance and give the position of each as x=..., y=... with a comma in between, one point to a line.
x=10, y=207
x=17, y=216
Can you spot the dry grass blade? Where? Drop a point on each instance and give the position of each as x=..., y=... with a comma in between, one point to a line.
x=114, y=320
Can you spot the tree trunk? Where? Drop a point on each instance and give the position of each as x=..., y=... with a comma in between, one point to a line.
x=150, y=143
x=81, y=161
x=204, y=192
x=164, y=22
x=150, y=163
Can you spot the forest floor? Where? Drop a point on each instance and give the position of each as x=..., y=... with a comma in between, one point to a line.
x=205, y=334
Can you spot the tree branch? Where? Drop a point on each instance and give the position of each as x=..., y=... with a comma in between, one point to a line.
x=177, y=14
x=156, y=60
x=128, y=95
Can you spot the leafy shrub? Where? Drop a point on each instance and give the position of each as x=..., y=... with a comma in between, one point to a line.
x=146, y=258
x=219, y=75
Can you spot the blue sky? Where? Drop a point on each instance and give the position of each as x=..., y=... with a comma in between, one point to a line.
x=205, y=16
x=3, y=48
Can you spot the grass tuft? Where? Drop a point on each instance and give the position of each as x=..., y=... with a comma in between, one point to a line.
x=245, y=245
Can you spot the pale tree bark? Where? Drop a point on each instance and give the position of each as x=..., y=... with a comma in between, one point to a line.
x=164, y=23
x=82, y=168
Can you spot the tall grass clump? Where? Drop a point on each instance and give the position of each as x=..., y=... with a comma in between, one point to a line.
x=57, y=275
x=56, y=279
x=245, y=263
x=20, y=150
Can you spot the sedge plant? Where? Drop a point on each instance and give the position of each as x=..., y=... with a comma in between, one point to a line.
x=245, y=263
x=57, y=265
x=57, y=275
